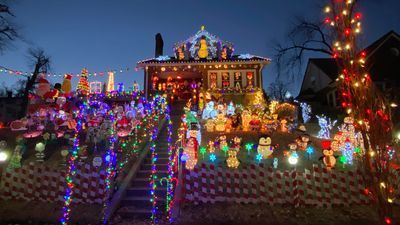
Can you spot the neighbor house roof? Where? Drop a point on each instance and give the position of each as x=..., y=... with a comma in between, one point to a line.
x=383, y=59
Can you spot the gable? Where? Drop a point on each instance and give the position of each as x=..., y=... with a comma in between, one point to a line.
x=316, y=78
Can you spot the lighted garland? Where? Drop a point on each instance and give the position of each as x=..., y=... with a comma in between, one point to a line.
x=71, y=169
x=364, y=102
x=110, y=158
x=171, y=163
x=153, y=176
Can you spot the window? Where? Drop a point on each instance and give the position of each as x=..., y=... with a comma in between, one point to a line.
x=237, y=82
x=213, y=80
x=225, y=80
x=250, y=79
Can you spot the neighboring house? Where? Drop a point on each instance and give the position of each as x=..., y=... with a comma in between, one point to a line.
x=383, y=60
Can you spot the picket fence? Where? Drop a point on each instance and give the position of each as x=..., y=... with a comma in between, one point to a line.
x=42, y=183
x=259, y=184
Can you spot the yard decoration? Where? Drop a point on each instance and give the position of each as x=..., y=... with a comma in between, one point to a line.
x=39, y=148
x=264, y=147
x=275, y=163
x=230, y=109
x=210, y=125
x=18, y=125
x=220, y=122
x=348, y=151
x=209, y=112
x=232, y=160
x=222, y=142
x=328, y=158
x=83, y=85
x=83, y=153
x=255, y=122
x=236, y=143
x=303, y=141
x=236, y=121
x=246, y=118
x=191, y=151
x=326, y=126
x=66, y=85
x=43, y=86
x=64, y=153
x=15, y=161
x=293, y=158
x=211, y=147
x=283, y=126
x=124, y=127
x=228, y=125
x=305, y=112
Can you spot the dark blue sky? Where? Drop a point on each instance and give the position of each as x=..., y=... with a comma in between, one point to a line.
x=105, y=34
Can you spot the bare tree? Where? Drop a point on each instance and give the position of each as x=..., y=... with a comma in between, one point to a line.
x=41, y=63
x=8, y=31
x=305, y=36
x=278, y=90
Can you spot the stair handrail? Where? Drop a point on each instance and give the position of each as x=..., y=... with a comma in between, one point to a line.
x=121, y=192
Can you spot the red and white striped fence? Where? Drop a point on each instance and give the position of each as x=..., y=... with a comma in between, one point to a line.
x=42, y=183
x=256, y=184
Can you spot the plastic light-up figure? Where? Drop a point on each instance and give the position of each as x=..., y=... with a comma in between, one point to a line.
x=348, y=151
x=305, y=111
x=326, y=126
x=230, y=109
x=293, y=158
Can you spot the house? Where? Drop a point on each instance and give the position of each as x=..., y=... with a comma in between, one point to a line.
x=383, y=60
x=203, y=62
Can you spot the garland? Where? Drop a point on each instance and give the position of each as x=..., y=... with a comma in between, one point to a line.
x=110, y=158
x=71, y=170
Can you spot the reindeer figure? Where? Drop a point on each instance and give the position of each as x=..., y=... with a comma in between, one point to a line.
x=326, y=126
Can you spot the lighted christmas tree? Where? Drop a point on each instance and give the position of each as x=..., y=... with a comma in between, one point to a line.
x=110, y=83
x=83, y=85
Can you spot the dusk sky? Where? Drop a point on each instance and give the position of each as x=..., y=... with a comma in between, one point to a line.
x=104, y=34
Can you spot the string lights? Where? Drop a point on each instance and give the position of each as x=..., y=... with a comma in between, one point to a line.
x=110, y=158
x=71, y=169
x=363, y=102
x=17, y=72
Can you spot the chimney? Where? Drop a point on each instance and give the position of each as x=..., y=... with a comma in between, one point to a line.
x=159, y=45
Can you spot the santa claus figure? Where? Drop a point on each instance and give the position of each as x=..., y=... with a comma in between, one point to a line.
x=43, y=87
x=124, y=127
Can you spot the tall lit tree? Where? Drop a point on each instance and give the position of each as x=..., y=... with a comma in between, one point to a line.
x=83, y=85
x=364, y=102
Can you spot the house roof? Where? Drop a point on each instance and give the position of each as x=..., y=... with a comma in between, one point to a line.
x=370, y=50
x=383, y=58
x=235, y=58
x=327, y=65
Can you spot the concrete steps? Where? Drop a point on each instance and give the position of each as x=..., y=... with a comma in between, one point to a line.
x=136, y=203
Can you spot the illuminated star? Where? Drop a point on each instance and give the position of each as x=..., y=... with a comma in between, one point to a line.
x=213, y=157
x=259, y=157
x=249, y=146
x=310, y=150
